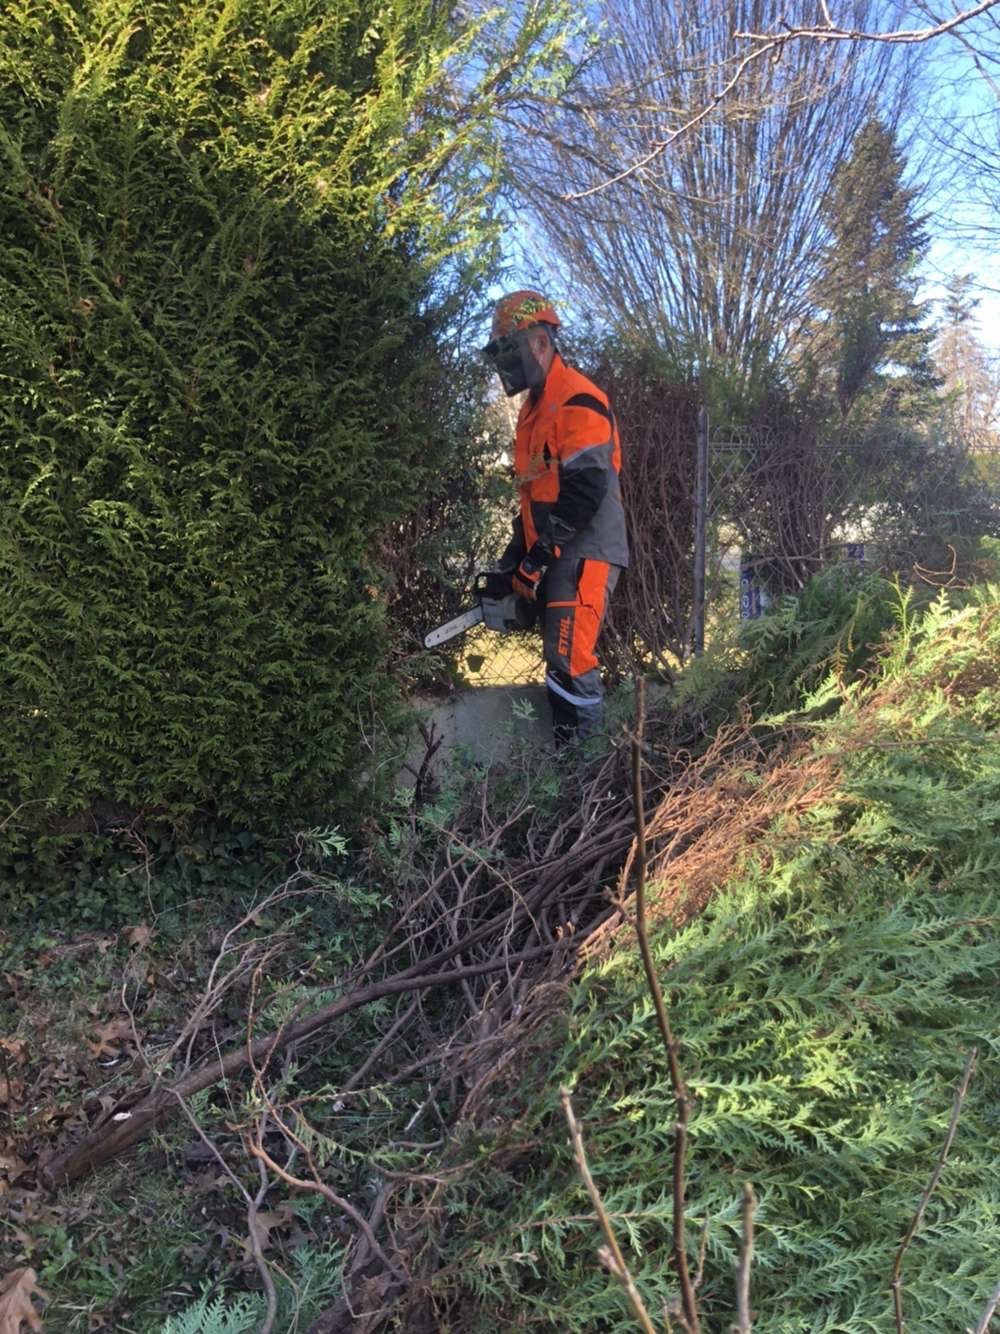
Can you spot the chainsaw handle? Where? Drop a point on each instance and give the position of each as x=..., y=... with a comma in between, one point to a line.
x=494, y=584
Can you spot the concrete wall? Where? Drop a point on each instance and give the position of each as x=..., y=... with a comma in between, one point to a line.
x=483, y=720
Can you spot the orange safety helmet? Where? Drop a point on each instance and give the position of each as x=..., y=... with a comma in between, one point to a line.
x=520, y=310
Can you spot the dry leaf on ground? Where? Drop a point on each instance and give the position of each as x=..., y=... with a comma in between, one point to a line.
x=16, y=1308
x=109, y=1038
x=11, y=1166
x=139, y=936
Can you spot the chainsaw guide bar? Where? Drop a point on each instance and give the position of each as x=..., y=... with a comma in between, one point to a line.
x=453, y=627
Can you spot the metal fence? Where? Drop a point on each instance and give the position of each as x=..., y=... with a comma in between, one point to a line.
x=781, y=507
x=750, y=515
x=511, y=659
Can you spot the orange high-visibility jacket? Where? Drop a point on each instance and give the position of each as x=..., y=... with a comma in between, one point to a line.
x=567, y=458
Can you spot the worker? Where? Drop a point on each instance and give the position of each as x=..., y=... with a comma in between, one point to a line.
x=569, y=544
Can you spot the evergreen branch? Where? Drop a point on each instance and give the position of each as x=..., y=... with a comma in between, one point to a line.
x=897, y=1282
x=611, y=1256
x=688, y=1299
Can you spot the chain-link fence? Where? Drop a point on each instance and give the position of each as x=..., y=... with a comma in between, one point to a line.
x=510, y=659
x=781, y=507
x=721, y=518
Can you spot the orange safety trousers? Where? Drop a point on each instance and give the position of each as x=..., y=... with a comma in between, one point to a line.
x=576, y=596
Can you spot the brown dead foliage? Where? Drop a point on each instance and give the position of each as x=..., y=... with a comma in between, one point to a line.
x=17, y=1309
x=735, y=802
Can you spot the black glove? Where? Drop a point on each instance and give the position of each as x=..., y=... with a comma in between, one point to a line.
x=528, y=574
x=515, y=548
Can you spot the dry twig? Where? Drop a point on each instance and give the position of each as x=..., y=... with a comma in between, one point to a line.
x=688, y=1297
x=611, y=1256
x=987, y=1317
x=828, y=32
x=743, y=1321
x=956, y=1112
x=157, y=1105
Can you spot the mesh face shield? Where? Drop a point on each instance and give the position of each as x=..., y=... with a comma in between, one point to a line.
x=512, y=358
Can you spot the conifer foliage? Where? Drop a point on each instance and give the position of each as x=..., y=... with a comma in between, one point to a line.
x=867, y=284
x=218, y=381
x=825, y=1002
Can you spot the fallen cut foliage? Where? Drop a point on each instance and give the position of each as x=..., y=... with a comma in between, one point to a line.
x=736, y=802
x=826, y=937
x=769, y=889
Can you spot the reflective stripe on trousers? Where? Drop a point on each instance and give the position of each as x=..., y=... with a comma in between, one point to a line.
x=576, y=599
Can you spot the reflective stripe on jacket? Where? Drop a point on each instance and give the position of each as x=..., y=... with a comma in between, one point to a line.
x=567, y=458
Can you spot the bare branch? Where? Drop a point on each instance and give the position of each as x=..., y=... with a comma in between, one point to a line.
x=157, y=1105
x=688, y=1297
x=987, y=1316
x=271, y=1313
x=611, y=1255
x=830, y=33
x=696, y=167
x=256, y=1149
x=253, y=1205
x=661, y=147
x=956, y=1112
x=743, y=1320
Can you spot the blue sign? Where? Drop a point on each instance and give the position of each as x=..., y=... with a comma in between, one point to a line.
x=754, y=600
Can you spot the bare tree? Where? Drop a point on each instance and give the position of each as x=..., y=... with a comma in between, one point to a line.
x=968, y=133
x=970, y=375
x=681, y=180
x=967, y=136
x=828, y=30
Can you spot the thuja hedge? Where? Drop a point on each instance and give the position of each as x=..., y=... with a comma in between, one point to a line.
x=217, y=386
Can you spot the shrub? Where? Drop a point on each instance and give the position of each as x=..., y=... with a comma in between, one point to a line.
x=221, y=382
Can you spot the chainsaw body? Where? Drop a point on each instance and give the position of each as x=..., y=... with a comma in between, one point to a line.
x=498, y=609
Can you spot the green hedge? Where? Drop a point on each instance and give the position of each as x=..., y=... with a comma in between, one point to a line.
x=219, y=383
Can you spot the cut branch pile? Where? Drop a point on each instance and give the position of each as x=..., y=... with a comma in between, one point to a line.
x=496, y=914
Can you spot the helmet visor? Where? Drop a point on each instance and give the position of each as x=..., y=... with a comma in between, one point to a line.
x=513, y=359
x=507, y=346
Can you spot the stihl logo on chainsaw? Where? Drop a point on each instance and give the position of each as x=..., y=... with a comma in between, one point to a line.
x=498, y=609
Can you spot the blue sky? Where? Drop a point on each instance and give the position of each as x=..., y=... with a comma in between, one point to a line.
x=965, y=230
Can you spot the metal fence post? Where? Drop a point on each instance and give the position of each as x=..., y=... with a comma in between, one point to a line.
x=700, y=523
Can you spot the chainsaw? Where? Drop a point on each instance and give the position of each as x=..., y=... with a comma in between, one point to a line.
x=497, y=607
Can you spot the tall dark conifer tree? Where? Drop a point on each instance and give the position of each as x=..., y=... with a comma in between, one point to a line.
x=874, y=348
